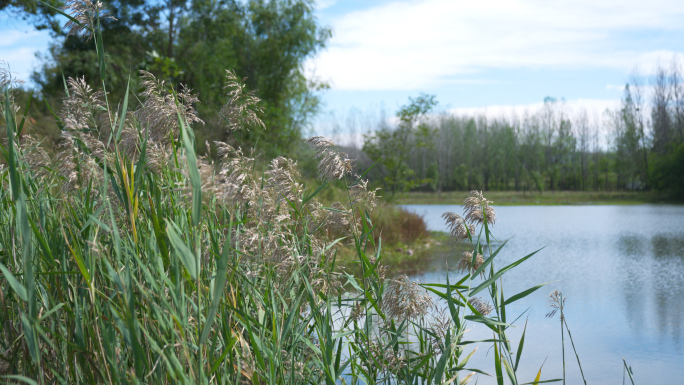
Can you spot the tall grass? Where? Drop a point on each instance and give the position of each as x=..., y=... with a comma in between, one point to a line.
x=129, y=259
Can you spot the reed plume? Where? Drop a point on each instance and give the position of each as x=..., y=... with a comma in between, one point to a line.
x=405, y=299
x=482, y=306
x=86, y=13
x=331, y=163
x=242, y=109
x=557, y=303
x=457, y=226
x=467, y=264
x=477, y=208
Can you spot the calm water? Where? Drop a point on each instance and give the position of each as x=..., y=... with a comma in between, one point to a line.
x=621, y=269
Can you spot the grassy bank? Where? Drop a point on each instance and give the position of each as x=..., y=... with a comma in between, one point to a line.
x=516, y=198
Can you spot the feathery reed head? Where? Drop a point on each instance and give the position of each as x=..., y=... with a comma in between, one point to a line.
x=361, y=197
x=82, y=106
x=457, y=226
x=405, y=299
x=440, y=324
x=557, y=302
x=7, y=82
x=85, y=12
x=477, y=208
x=331, y=163
x=160, y=109
x=481, y=305
x=6, y=76
x=242, y=108
x=467, y=264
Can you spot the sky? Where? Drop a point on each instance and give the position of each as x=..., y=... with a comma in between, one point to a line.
x=492, y=55
x=485, y=55
x=19, y=43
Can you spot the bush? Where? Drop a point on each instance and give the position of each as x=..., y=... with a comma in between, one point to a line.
x=397, y=225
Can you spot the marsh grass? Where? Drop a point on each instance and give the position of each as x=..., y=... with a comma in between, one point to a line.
x=127, y=258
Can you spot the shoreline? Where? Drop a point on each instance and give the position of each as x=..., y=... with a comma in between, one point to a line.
x=549, y=198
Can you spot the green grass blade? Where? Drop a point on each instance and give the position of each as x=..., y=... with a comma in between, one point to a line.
x=23, y=119
x=100, y=51
x=122, y=118
x=485, y=320
x=192, y=170
x=501, y=272
x=629, y=371
x=441, y=364
x=497, y=365
x=520, y=348
x=524, y=293
x=71, y=18
x=488, y=260
x=186, y=256
x=313, y=194
x=20, y=378
x=11, y=151
x=18, y=288
x=219, y=283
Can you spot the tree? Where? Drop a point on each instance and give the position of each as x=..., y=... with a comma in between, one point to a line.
x=265, y=42
x=391, y=147
x=660, y=116
x=194, y=43
x=33, y=11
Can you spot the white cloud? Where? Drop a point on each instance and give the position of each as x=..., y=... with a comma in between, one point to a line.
x=18, y=47
x=323, y=4
x=20, y=60
x=594, y=107
x=15, y=37
x=423, y=43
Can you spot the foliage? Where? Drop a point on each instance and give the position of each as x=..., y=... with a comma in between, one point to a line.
x=391, y=147
x=264, y=42
x=667, y=171
x=549, y=150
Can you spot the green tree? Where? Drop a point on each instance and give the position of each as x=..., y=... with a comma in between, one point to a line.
x=265, y=42
x=194, y=43
x=391, y=146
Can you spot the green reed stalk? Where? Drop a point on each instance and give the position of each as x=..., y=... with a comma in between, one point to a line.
x=575, y=350
x=562, y=335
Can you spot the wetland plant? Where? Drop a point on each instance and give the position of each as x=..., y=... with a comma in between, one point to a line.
x=126, y=258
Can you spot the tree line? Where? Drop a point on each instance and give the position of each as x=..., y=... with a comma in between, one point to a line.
x=637, y=146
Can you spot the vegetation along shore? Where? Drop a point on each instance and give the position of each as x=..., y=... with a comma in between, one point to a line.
x=524, y=198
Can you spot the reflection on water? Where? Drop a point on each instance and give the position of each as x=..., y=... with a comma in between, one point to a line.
x=622, y=270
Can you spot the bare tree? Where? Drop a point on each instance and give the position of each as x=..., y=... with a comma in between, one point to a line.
x=583, y=136
x=662, y=125
x=639, y=120
x=677, y=92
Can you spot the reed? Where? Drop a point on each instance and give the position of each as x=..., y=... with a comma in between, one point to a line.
x=127, y=258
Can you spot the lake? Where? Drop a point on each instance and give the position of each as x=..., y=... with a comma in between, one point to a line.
x=621, y=269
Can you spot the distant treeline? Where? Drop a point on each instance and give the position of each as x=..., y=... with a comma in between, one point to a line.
x=638, y=146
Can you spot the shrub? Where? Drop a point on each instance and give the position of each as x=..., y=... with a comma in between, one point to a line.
x=397, y=225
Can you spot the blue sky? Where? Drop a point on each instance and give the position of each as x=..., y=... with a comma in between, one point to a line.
x=488, y=53
x=19, y=43
x=471, y=55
